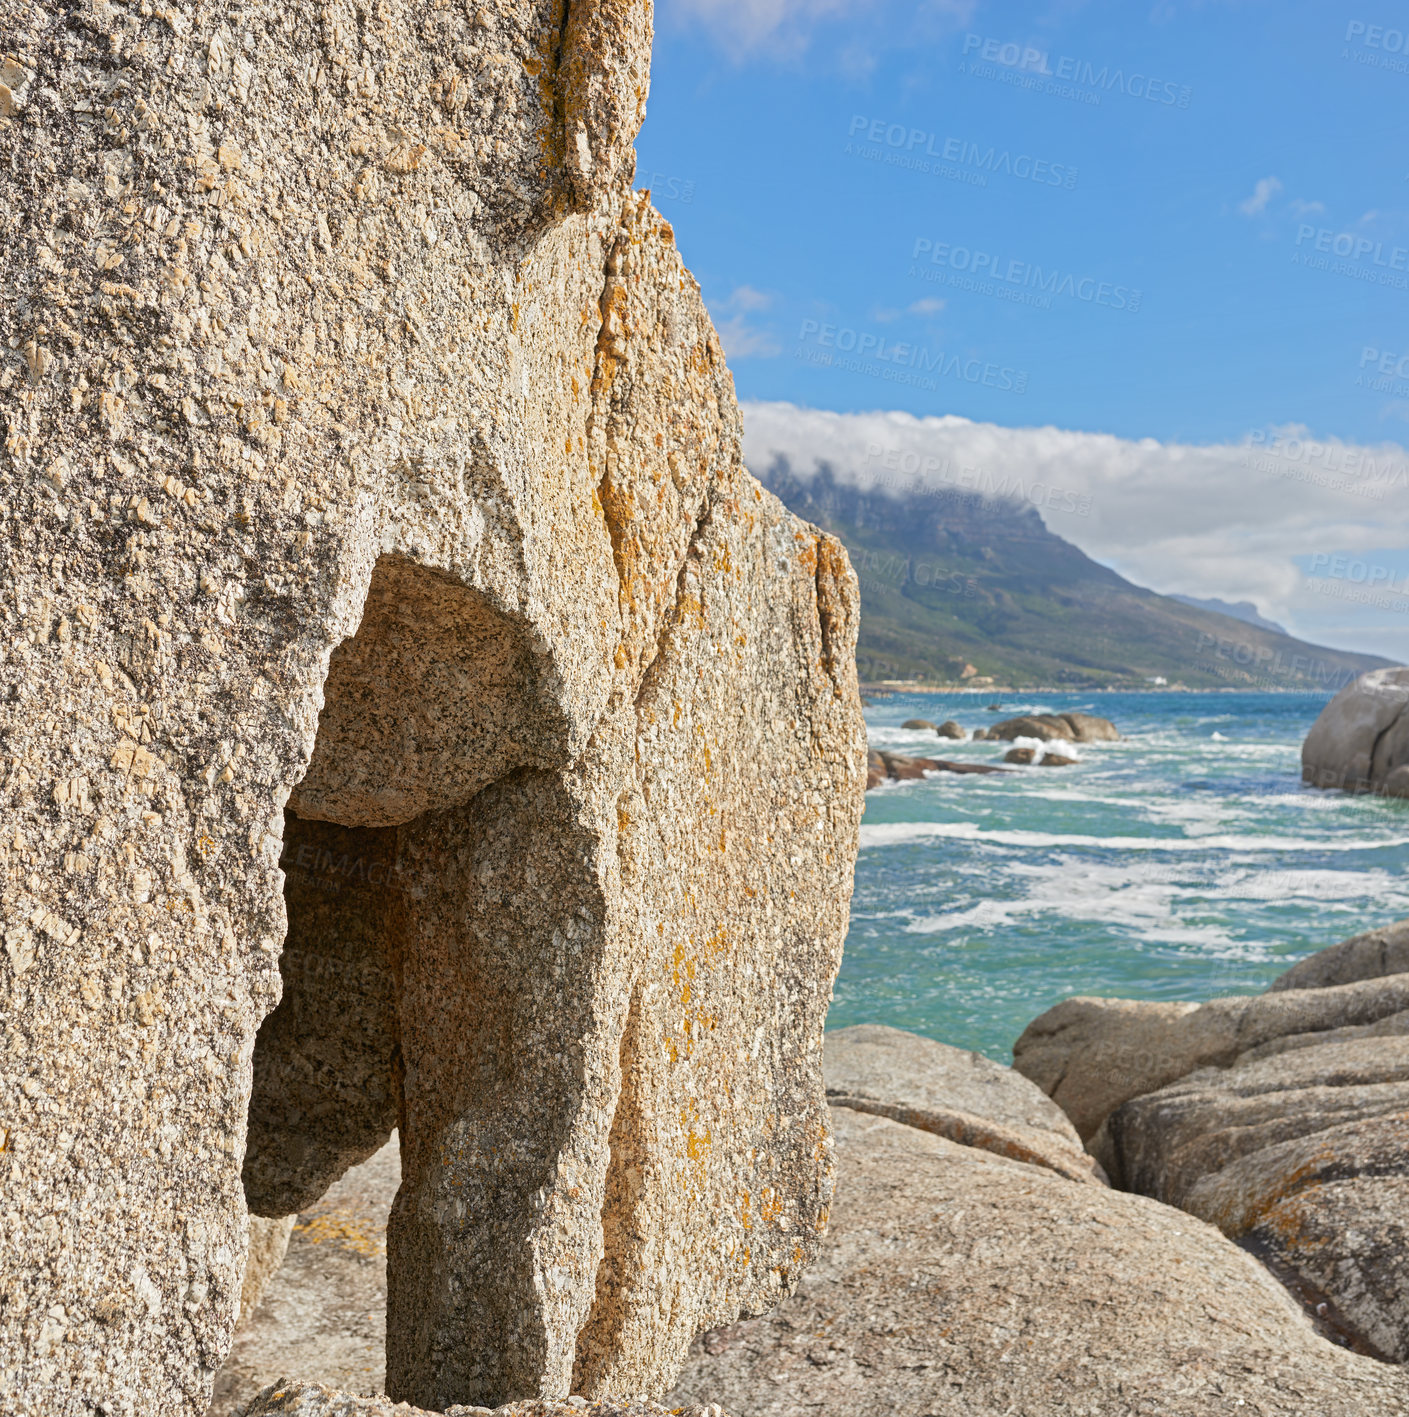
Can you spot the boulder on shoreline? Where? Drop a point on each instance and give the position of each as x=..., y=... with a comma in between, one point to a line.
x=1360, y=741
x=1283, y=1118
x=952, y=1093
x=916, y=723
x=950, y=729
x=956, y=1283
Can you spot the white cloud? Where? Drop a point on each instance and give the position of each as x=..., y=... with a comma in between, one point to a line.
x=1265, y=189
x=1221, y=519
x=1300, y=207
x=927, y=306
x=742, y=339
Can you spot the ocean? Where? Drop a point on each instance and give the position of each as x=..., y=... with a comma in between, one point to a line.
x=1186, y=862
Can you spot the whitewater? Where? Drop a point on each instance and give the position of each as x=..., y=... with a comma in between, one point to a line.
x=1187, y=861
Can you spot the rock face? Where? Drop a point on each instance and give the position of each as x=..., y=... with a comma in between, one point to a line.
x=1282, y=1119
x=952, y=1093
x=1070, y=727
x=1360, y=742
x=956, y=1283
x=369, y=455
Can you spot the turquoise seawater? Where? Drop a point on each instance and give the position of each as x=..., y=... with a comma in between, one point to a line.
x=1186, y=862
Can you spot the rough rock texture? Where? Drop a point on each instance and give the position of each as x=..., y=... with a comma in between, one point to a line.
x=1090, y=1055
x=1360, y=741
x=1372, y=955
x=1282, y=1119
x=1068, y=727
x=955, y=1283
x=347, y=387
x=1304, y=1158
x=953, y=1093
x=291, y=1399
x=269, y=1243
x=324, y=1311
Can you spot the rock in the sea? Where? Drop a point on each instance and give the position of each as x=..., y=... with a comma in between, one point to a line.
x=899, y=768
x=1023, y=756
x=953, y=1093
x=295, y=1399
x=1056, y=760
x=1360, y=741
x=393, y=477
x=980, y=735
x=919, y=723
x=957, y=1283
x=1072, y=727
x=950, y=729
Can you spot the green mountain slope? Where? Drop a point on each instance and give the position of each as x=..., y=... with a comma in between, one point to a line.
x=950, y=580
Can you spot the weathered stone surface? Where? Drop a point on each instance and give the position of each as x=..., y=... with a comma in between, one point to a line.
x=367, y=448
x=957, y=1282
x=269, y=1243
x=953, y=1093
x=324, y=1310
x=1371, y=955
x=1304, y=1157
x=1091, y=1055
x=294, y=1399
x=1360, y=741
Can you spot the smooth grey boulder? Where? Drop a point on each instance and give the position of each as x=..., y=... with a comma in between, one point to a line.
x=1303, y=1157
x=1360, y=741
x=1091, y=1055
x=956, y=1283
x=953, y=1093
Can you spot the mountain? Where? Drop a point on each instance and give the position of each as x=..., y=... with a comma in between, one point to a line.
x=950, y=579
x=1243, y=610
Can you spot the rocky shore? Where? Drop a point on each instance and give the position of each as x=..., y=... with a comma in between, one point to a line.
x=1215, y=1211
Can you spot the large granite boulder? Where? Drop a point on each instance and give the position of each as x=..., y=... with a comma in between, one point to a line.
x=1283, y=1119
x=1302, y=1157
x=953, y=1093
x=1360, y=741
x=1090, y=1055
x=957, y=1283
x=372, y=476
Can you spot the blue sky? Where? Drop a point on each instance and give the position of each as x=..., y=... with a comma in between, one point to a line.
x=1216, y=249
